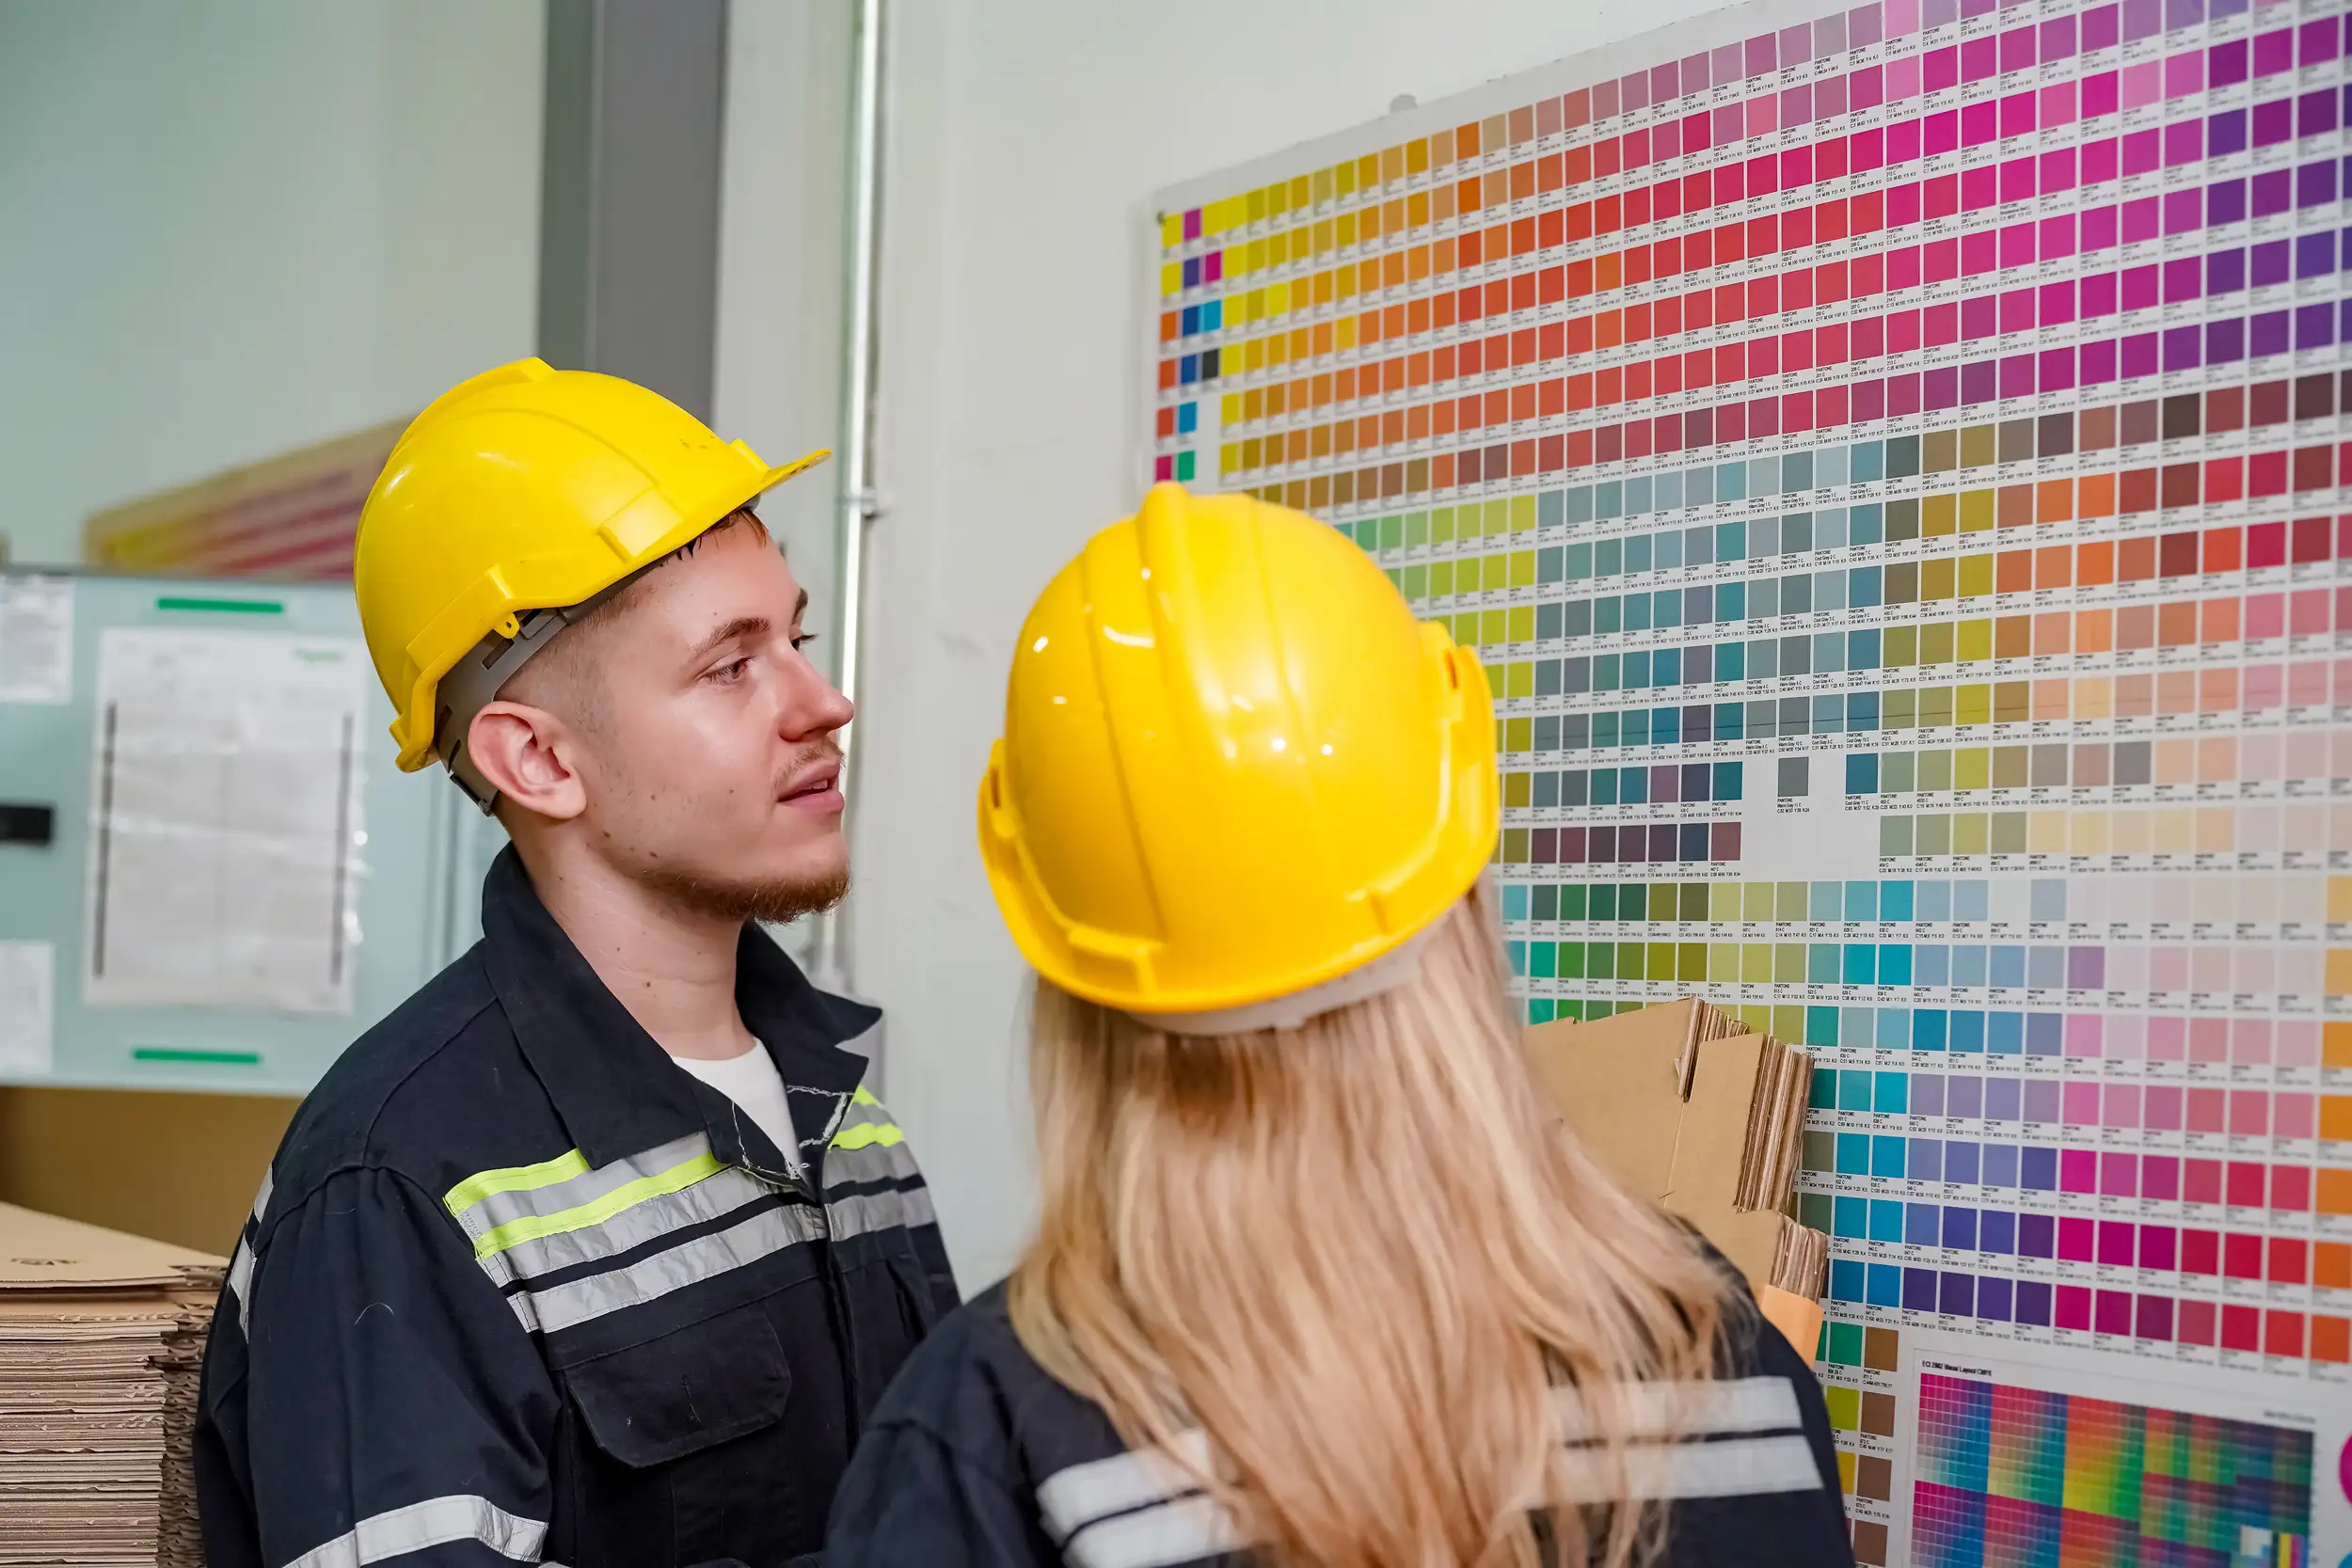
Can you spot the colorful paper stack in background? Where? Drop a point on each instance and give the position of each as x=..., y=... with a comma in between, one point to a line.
x=102, y=1342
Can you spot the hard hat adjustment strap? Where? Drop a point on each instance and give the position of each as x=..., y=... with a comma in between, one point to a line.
x=1392, y=970
x=474, y=681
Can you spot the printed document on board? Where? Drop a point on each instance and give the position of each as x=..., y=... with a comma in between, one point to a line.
x=28, y=1010
x=224, y=794
x=35, y=639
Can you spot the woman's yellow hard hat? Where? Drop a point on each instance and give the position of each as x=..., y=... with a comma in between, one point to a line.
x=527, y=489
x=1234, y=767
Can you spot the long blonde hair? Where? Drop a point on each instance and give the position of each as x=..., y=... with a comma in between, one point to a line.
x=1361, y=1255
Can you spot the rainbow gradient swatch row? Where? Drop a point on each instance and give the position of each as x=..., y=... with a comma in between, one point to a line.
x=2022, y=1476
x=1895, y=465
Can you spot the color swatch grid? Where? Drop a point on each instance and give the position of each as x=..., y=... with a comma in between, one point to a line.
x=1859, y=1372
x=2022, y=1476
x=1908, y=449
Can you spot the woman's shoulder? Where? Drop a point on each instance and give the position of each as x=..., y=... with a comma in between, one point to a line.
x=971, y=1353
x=974, y=1386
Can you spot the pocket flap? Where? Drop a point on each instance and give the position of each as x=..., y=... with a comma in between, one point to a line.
x=690, y=1388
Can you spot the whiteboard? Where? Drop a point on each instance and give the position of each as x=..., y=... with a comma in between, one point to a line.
x=217, y=884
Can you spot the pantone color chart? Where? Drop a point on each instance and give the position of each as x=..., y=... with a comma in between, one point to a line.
x=1896, y=465
x=2022, y=1476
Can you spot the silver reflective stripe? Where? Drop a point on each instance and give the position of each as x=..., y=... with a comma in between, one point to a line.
x=240, y=1278
x=875, y=1162
x=869, y=1211
x=241, y=1265
x=1183, y=1531
x=1146, y=1508
x=487, y=1215
x=1737, y=1467
x=1071, y=1499
x=869, y=1111
x=433, y=1522
x=1689, y=1409
x=726, y=1190
x=767, y=1232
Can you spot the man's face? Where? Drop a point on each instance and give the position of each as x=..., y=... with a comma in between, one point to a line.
x=706, y=748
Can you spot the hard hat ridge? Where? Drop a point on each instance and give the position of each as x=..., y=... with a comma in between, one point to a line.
x=1234, y=767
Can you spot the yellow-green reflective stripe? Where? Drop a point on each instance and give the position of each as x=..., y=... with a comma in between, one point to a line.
x=863, y=1097
x=516, y=1178
x=532, y=1226
x=869, y=1135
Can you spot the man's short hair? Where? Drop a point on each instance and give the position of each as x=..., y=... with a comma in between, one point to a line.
x=561, y=676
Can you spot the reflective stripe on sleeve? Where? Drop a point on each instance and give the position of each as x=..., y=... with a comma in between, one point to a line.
x=1687, y=1409
x=435, y=1522
x=660, y=1183
x=1737, y=1467
x=1071, y=1499
x=241, y=1285
x=855, y=1167
x=766, y=1232
x=1181, y=1531
x=531, y=1223
x=1147, y=1508
x=865, y=1122
x=487, y=1203
x=864, y=1213
x=241, y=1265
x=485, y=1185
x=661, y=1214
x=869, y=1136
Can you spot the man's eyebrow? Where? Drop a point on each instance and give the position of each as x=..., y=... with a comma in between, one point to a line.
x=742, y=625
x=800, y=606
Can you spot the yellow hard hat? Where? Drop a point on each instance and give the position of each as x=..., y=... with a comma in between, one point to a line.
x=1234, y=768
x=527, y=489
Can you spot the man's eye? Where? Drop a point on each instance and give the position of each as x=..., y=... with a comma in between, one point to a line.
x=731, y=671
x=801, y=640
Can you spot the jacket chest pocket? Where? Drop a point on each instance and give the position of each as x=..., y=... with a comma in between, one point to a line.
x=690, y=1449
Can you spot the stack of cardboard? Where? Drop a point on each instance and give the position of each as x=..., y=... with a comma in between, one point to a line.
x=102, y=1336
x=1688, y=1107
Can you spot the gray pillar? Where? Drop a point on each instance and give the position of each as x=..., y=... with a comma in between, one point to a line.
x=629, y=225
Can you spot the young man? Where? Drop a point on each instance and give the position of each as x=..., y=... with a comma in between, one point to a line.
x=596, y=1251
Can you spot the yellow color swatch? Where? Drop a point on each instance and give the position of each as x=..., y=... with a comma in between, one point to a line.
x=2339, y=983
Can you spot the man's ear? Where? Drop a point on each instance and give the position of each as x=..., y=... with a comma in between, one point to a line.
x=525, y=753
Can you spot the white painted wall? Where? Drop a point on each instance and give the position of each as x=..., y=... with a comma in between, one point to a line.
x=239, y=227
x=784, y=203
x=1026, y=140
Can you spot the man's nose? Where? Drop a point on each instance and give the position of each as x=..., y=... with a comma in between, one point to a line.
x=817, y=707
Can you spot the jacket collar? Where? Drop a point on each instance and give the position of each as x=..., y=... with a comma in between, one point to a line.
x=616, y=1091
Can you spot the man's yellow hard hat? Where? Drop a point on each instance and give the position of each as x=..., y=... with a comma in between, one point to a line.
x=1234, y=767
x=527, y=489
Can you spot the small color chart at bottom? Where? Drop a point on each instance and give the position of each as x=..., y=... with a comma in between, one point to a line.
x=2022, y=1476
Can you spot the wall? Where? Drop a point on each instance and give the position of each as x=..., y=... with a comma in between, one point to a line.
x=782, y=241
x=237, y=229
x=1026, y=138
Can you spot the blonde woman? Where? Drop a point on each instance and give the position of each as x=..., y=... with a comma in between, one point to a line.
x=1320, y=1280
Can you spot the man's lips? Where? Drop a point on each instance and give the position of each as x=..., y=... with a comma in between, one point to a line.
x=817, y=789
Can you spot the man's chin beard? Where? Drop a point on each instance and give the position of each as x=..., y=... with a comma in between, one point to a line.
x=771, y=902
